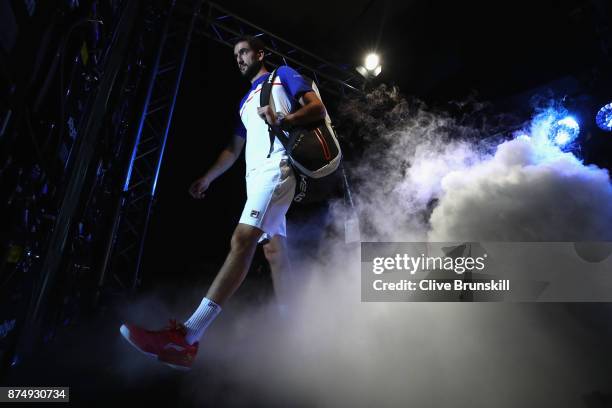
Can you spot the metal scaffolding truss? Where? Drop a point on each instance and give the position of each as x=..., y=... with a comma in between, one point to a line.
x=225, y=27
x=131, y=221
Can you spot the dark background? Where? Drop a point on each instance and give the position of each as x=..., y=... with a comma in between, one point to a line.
x=502, y=53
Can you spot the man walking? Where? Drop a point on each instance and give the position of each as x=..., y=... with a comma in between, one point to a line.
x=270, y=188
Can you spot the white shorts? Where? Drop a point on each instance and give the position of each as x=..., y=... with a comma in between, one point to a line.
x=270, y=190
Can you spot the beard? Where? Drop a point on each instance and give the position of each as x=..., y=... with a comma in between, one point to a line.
x=252, y=70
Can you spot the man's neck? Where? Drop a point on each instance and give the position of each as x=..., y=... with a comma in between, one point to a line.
x=262, y=71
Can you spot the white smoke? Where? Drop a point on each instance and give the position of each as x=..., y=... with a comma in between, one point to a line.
x=528, y=190
x=423, y=177
x=524, y=189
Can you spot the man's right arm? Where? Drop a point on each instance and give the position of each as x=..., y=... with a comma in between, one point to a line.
x=226, y=159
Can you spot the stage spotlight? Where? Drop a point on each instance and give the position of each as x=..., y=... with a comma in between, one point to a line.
x=565, y=131
x=604, y=118
x=371, y=62
x=371, y=66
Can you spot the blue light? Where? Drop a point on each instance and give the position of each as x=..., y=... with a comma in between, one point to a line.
x=604, y=118
x=562, y=138
x=565, y=131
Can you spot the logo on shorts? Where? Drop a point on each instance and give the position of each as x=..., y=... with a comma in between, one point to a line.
x=254, y=213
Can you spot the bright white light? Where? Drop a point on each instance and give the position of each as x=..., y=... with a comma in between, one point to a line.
x=569, y=122
x=362, y=71
x=371, y=62
x=565, y=131
x=562, y=137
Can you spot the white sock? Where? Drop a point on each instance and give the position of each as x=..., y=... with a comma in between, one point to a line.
x=201, y=319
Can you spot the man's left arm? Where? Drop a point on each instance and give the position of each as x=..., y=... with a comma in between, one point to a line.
x=311, y=111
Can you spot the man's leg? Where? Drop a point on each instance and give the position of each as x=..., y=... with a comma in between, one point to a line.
x=228, y=279
x=236, y=265
x=277, y=255
x=176, y=345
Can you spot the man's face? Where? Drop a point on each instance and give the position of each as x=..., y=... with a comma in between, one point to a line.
x=249, y=62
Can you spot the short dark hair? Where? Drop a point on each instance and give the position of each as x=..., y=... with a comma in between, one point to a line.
x=255, y=43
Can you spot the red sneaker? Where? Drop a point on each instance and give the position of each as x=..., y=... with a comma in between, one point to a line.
x=168, y=345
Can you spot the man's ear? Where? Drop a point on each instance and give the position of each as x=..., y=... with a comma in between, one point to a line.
x=260, y=55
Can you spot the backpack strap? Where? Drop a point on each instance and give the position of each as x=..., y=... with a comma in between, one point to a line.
x=264, y=100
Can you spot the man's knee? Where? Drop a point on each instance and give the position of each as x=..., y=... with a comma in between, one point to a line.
x=273, y=250
x=271, y=253
x=244, y=237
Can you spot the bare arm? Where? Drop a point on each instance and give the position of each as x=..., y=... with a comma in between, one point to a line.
x=312, y=110
x=226, y=159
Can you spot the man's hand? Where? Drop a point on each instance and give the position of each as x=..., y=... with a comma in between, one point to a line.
x=199, y=186
x=267, y=114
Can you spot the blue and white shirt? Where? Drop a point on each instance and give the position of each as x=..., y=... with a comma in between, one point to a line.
x=287, y=89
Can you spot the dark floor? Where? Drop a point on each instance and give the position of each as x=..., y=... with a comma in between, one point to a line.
x=101, y=369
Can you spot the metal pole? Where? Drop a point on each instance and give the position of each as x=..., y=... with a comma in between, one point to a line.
x=145, y=106
x=165, y=138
